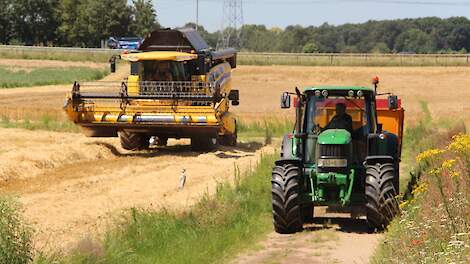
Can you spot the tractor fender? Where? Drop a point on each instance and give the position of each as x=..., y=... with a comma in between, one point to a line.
x=372, y=160
x=281, y=162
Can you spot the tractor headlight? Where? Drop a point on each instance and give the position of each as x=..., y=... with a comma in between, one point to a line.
x=332, y=163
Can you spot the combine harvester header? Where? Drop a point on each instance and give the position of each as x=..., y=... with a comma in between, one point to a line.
x=178, y=87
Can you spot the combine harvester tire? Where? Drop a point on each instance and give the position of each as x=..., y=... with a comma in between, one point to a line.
x=134, y=141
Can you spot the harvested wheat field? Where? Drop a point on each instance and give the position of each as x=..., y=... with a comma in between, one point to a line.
x=69, y=184
x=260, y=88
x=72, y=186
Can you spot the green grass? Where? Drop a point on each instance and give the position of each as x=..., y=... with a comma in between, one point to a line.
x=47, y=76
x=93, y=56
x=15, y=237
x=265, y=128
x=215, y=229
x=44, y=123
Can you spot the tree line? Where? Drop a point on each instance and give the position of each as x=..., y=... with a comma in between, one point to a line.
x=421, y=35
x=78, y=23
x=85, y=23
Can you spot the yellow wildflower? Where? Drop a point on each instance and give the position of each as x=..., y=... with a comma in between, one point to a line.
x=429, y=154
x=420, y=189
x=460, y=143
x=455, y=174
x=403, y=204
x=448, y=164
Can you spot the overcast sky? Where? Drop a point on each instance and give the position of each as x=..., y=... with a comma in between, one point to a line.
x=281, y=13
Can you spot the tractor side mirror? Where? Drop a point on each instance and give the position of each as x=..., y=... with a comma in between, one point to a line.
x=285, y=100
x=380, y=128
x=393, y=102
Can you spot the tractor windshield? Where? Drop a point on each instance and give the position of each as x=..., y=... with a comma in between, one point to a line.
x=339, y=112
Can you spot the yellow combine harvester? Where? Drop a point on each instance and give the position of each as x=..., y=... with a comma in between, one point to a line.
x=178, y=87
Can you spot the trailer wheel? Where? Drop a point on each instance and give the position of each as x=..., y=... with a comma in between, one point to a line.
x=134, y=141
x=287, y=210
x=381, y=201
x=204, y=143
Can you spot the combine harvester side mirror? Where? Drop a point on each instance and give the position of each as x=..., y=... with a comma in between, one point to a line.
x=234, y=96
x=112, y=64
x=285, y=100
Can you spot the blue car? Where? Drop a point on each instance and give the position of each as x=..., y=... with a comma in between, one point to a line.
x=129, y=43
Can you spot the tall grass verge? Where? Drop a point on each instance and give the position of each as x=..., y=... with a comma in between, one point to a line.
x=45, y=122
x=436, y=211
x=85, y=55
x=48, y=76
x=15, y=237
x=266, y=128
x=212, y=231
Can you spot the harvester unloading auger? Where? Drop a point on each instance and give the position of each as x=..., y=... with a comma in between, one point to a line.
x=178, y=87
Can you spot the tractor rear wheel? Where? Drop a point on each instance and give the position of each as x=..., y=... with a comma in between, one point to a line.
x=204, y=143
x=286, y=191
x=381, y=201
x=134, y=141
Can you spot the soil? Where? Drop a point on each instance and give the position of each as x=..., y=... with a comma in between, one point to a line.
x=333, y=238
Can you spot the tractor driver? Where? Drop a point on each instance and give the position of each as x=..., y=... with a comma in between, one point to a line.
x=341, y=120
x=163, y=72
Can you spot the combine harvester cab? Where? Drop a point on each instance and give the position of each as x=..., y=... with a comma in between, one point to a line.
x=178, y=87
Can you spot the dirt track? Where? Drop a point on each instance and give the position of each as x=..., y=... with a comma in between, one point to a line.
x=333, y=238
x=69, y=185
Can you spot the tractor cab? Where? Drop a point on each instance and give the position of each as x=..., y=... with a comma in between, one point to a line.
x=340, y=155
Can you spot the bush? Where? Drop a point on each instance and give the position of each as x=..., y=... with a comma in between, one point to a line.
x=15, y=237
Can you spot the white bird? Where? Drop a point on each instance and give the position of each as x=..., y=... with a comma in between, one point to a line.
x=182, y=180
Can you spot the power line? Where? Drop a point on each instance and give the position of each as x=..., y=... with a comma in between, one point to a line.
x=307, y=2
x=232, y=21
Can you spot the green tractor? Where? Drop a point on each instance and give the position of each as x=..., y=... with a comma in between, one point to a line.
x=344, y=153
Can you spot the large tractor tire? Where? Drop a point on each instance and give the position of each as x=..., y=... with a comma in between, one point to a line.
x=204, y=143
x=229, y=139
x=134, y=141
x=286, y=191
x=381, y=201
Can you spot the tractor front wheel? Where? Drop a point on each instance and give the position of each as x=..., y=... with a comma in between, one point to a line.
x=286, y=194
x=134, y=141
x=381, y=201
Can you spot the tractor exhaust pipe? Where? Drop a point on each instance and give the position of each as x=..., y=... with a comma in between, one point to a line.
x=298, y=121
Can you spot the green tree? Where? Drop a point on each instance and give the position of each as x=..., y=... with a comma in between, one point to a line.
x=144, y=18
x=99, y=20
x=414, y=40
x=34, y=21
x=310, y=48
x=5, y=21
